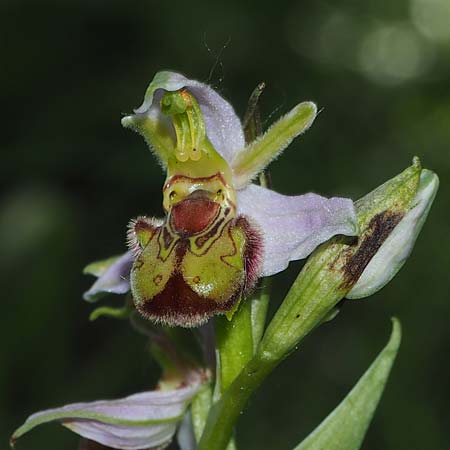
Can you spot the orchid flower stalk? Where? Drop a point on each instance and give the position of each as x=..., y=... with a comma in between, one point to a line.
x=188, y=278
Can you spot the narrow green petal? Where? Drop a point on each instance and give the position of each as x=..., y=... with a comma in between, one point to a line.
x=346, y=426
x=155, y=132
x=256, y=156
x=98, y=268
x=109, y=311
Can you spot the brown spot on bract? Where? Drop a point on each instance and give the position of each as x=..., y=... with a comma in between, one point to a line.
x=379, y=228
x=157, y=280
x=196, y=279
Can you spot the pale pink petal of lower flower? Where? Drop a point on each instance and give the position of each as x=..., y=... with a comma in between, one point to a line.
x=123, y=437
x=139, y=421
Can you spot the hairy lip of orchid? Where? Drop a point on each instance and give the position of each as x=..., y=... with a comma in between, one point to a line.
x=221, y=232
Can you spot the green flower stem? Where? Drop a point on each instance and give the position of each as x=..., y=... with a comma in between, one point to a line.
x=226, y=411
x=234, y=344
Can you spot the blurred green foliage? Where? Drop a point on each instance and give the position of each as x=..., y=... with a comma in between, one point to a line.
x=71, y=178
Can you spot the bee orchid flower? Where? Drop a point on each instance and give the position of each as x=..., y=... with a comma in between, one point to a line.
x=221, y=231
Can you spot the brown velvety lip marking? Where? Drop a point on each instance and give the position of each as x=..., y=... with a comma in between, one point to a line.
x=179, y=305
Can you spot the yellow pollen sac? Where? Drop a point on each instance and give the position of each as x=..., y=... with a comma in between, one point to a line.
x=188, y=122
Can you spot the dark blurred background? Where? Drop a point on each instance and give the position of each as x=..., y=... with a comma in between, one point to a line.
x=71, y=178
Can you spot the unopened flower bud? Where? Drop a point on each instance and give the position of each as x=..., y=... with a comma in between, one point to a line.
x=379, y=213
x=397, y=247
x=394, y=212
